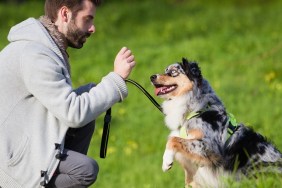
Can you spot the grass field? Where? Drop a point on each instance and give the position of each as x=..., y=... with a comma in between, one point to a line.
x=237, y=43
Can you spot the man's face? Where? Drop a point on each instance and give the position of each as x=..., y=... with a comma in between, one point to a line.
x=81, y=27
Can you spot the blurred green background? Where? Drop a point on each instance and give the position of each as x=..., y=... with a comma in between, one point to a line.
x=237, y=43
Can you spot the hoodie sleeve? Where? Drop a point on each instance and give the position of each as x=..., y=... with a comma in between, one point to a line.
x=44, y=79
x=85, y=88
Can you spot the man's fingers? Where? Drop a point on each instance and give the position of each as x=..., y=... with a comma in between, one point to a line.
x=124, y=62
x=132, y=64
x=122, y=51
x=127, y=53
x=130, y=58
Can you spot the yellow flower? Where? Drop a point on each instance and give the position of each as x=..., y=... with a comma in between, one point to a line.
x=270, y=76
x=111, y=150
x=121, y=111
x=130, y=147
x=132, y=144
x=127, y=150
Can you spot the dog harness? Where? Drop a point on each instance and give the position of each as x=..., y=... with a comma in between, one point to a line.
x=232, y=123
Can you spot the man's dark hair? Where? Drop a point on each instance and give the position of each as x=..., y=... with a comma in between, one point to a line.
x=52, y=6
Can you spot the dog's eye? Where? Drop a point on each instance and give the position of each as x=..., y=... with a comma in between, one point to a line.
x=174, y=73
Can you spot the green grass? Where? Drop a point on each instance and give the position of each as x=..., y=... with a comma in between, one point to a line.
x=238, y=45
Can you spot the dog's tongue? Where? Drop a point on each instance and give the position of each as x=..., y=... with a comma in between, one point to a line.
x=160, y=90
x=157, y=90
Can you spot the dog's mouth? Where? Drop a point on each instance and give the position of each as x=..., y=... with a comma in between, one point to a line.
x=164, y=89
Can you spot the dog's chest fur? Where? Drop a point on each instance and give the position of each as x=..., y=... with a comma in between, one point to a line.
x=177, y=109
x=174, y=111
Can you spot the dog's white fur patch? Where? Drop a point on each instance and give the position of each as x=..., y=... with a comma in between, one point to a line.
x=174, y=110
x=207, y=177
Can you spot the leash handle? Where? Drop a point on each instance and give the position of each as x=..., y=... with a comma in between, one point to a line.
x=106, y=133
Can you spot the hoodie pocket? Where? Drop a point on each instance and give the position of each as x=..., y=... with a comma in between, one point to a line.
x=17, y=153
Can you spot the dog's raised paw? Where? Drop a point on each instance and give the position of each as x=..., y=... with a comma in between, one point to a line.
x=167, y=160
x=166, y=167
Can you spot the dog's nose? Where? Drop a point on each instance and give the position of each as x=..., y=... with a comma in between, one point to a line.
x=153, y=77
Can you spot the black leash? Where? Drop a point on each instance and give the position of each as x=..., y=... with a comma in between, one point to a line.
x=106, y=133
x=146, y=93
x=107, y=119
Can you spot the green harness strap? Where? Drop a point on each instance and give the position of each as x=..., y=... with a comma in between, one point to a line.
x=183, y=132
x=232, y=123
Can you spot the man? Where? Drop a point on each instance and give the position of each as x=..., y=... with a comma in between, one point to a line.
x=45, y=124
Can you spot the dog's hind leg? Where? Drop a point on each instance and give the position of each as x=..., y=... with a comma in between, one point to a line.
x=190, y=169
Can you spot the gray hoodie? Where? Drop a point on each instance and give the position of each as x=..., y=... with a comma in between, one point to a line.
x=38, y=105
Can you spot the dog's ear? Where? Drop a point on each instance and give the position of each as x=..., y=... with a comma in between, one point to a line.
x=185, y=63
x=193, y=71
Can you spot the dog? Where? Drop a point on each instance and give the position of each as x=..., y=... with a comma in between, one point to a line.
x=204, y=137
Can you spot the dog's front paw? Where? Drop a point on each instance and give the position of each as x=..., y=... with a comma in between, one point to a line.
x=167, y=160
x=166, y=166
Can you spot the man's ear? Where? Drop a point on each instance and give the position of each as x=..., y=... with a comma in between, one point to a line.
x=64, y=17
x=65, y=14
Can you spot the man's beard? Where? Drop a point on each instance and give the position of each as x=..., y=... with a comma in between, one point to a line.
x=75, y=36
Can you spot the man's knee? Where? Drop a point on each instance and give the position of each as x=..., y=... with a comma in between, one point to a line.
x=91, y=170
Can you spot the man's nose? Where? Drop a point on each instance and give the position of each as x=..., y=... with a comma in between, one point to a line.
x=92, y=29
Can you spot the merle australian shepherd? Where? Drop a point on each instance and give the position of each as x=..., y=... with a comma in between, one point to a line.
x=204, y=138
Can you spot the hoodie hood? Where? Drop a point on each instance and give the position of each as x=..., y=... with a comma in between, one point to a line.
x=30, y=30
x=40, y=31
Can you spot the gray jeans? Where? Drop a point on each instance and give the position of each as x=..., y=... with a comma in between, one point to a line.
x=76, y=170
